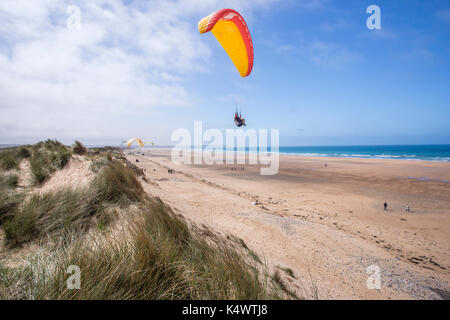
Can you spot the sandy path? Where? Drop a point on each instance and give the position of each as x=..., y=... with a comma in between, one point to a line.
x=25, y=175
x=76, y=174
x=326, y=222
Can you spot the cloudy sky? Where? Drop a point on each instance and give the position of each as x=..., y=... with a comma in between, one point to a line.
x=140, y=68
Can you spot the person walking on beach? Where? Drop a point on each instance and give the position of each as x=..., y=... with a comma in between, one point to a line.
x=407, y=208
x=385, y=206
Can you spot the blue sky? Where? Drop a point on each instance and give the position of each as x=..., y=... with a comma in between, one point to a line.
x=140, y=68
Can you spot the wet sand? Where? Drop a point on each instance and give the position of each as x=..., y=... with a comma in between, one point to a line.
x=326, y=223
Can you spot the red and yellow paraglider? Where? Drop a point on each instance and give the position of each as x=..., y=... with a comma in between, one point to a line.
x=231, y=30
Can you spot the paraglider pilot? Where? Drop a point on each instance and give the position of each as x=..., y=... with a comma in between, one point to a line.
x=238, y=120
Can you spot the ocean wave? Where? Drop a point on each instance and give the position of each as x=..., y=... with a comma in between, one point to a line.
x=360, y=153
x=368, y=156
x=429, y=179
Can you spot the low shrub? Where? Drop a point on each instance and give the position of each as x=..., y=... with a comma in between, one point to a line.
x=79, y=148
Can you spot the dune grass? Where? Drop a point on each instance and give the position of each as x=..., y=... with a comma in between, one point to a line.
x=10, y=180
x=8, y=160
x=16, y=283
x=67, y=210
x=11, y=157
x=153, y=255
x=276, y=277
x=50, y=214
x=288, y=271
x=47, y=157
x=79, y=148
x=156, y=257
x=10, y=198
x=118, y=184
x=24, y=152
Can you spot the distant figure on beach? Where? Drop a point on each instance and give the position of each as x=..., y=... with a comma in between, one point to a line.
x=326, y=165
x=407, y=208
x=385, y=206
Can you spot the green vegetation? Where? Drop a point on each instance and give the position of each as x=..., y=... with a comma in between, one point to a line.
x=289, y=272
x=10, y=158
x=12, y=180
x=98, y=163
x=249, y=251
x=276, y=277
x=23, y=152
x=50, y=213
x=103, y=158
x=118, y=184
x=157, y=257
x=67, y=210
x=46, y=157
x=151, y=254
x=8, y=161
x=9, y=197
x=79, y=148
x=16, y=283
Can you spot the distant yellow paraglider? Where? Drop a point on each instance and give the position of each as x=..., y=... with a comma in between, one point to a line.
x=138, y=141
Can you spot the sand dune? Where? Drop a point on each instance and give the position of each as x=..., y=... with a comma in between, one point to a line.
x=326, y=223
x=76, y=174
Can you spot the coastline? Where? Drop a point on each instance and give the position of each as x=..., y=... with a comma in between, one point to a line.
x=409, y=157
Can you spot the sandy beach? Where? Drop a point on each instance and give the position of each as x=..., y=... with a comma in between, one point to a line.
x=324, y=219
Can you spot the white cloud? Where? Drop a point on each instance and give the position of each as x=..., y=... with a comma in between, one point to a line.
x=123, y=61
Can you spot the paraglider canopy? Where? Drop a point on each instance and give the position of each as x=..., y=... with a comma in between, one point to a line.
x=139, y=141
x=231, y=30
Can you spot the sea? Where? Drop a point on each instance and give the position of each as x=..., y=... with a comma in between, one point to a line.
x=435, y=152
x=405, y=152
